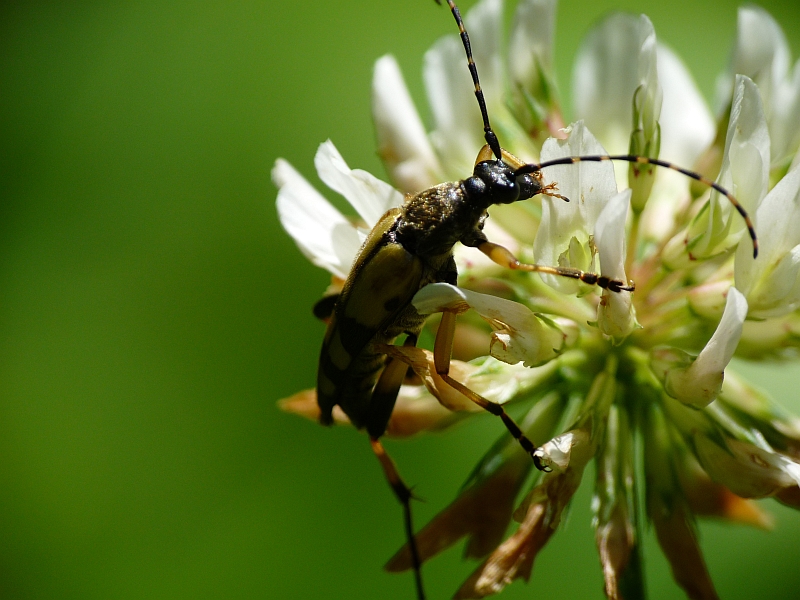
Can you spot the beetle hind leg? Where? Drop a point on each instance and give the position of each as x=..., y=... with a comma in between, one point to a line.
x=404, y=495
x=383, y=399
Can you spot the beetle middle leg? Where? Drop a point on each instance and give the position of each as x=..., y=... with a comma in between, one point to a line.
x=382, y=403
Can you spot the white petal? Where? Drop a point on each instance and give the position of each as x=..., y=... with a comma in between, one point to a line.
x=568, y=451
x=702, y=381
x=531, y=44
x=484, y=21
x=458, y=135
x=761, y=53
x=519, y=334
x=749, y=471
x=784, y=130
x=612, y=62
x=770, y=282
x=610, y=235
x=402, y=141
x=615, y=314
x=370, y=196
x=589, y=186
x=744, y=172
x=323, y=235
x=687, y=127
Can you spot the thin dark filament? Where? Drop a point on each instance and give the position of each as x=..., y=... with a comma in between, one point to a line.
x=569, y=160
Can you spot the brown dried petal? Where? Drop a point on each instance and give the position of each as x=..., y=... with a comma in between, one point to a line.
x=414, y=411
x=614, y=542
x=482, y=512
x=305, y=405
x=678, y=541
x=512, y=559
x=708, y=498
x=789, y=497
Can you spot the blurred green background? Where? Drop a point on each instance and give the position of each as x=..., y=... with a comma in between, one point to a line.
x=152, y=309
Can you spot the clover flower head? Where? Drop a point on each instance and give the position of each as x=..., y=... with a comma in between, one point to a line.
x=635, y=381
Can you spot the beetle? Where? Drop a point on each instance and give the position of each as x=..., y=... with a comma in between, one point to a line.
x=410, y=247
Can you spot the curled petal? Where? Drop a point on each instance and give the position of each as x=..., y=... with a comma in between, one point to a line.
x=748, y=471
x=557, y=452
x=370, y=196
x=323, y=235
x=402, y=142
x=520, y=335
x=700, y=383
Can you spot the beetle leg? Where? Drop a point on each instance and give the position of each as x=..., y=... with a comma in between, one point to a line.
x=383, y=399
x=403, y=493
x=503, y=257
x=442, y=350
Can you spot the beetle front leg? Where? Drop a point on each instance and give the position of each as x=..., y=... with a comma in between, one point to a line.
x=442, y=351
x=503, y=257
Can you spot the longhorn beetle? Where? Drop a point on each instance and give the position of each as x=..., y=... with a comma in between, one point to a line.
x=412, y=246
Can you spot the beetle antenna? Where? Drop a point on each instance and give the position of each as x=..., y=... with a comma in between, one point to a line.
x=643, y=160
x=488, y=133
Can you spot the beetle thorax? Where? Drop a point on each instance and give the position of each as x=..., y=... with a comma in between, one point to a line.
x=434, y=220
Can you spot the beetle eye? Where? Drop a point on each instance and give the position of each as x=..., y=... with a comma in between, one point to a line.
x=505, y=190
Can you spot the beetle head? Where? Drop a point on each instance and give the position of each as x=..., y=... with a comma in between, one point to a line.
x=494, y=182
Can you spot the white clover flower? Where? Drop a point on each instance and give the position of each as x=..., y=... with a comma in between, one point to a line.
x=636, y=381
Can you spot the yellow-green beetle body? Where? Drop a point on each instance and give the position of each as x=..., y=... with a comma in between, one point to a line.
x=410, y=247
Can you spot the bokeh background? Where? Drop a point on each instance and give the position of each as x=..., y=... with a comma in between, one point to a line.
x=152, y=310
